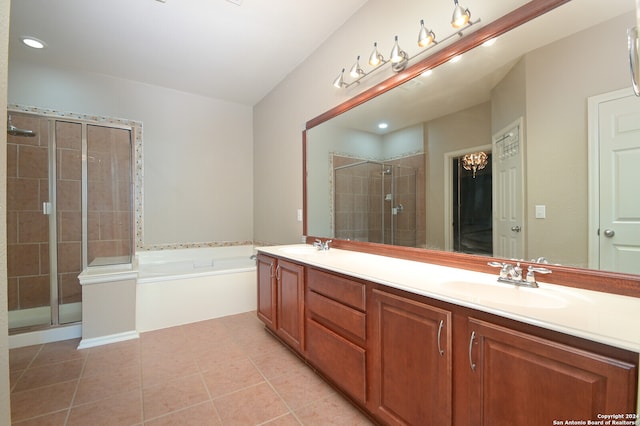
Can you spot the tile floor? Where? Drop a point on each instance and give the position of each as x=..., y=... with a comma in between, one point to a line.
x=226, y=371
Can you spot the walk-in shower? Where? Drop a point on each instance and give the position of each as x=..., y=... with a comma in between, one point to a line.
x=376, y=202
x=69, y=205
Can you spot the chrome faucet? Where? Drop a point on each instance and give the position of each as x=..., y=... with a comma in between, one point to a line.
x=512, y=274
x=322, y=245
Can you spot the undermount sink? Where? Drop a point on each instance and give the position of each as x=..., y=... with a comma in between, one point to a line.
x=302, y=249
x=505, y=295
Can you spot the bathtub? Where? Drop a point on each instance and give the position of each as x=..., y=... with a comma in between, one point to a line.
x=181, y=286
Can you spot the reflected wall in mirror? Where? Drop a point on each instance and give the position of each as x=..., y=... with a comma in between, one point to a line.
x=538, y=80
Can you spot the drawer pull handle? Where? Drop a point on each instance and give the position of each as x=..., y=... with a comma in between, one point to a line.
x=471, y=363
x=440, y=327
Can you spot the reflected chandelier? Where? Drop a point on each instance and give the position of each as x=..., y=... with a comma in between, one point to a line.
x=398, y=57
x=476, y=161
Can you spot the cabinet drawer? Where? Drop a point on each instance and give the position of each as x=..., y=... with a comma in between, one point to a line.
x=337, y=316
x=338, y=359
x=343, y=290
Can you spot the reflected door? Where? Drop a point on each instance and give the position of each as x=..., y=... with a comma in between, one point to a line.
x=619, y=140
x=508, y=232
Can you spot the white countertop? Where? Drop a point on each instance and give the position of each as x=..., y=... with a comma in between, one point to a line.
x=602, y=317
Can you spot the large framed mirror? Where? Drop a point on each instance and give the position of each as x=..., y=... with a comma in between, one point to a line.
x=531, y=106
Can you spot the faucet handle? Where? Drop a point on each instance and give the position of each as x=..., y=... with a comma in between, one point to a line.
x=504, y=268
x=531, y=278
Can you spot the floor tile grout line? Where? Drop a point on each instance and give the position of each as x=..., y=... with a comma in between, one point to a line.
x=75, y=392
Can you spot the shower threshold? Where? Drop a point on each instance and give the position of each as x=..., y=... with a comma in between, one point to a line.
x=41, y=316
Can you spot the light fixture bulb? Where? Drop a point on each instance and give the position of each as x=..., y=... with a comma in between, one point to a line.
x=356, y=70
x=339, y=81
x=375, y=58
x=425, y=36
x=461, y=16
x=397, y=54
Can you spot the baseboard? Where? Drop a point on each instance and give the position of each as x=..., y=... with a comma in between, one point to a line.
x=105, y=340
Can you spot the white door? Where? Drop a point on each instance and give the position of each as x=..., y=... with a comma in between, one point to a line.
x=508, y=189
x=619, y=151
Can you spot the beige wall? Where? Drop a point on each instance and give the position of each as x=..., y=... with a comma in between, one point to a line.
x=558, y=84
x=198, y=153
x=465, y=129
x=5, y=412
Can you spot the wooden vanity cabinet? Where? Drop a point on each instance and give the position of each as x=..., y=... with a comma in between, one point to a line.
x=336, y=330
x=266, y=301
x=290, y=303
x=518, y=378
x=281, y=299
x=407, y=359
x=410, y=361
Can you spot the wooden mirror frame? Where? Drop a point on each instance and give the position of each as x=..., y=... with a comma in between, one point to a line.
x=590, y=279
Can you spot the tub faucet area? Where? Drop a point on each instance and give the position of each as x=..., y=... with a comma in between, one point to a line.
x=512, y=274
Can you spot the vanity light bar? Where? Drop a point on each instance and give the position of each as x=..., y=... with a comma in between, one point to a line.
x=397, y=67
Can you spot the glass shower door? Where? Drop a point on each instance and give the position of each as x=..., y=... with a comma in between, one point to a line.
x=28, y=229
x=67, y=263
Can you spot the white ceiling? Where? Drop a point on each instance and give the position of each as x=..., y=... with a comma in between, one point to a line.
x=215, y=48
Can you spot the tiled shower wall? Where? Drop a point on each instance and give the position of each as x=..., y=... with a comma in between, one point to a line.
x=359, y=201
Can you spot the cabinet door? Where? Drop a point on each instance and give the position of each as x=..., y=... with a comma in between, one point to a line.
x=410, y=361
x=290, y=307
x=267, y=290
x=519, y=379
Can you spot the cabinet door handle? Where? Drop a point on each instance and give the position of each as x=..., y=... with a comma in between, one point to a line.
x=271, y=270
x=278, y=272
x=471, y=363
x=440, y=327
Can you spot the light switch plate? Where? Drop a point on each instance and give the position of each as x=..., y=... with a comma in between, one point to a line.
x=541, y=212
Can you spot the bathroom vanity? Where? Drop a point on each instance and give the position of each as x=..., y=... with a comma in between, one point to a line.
x=416, y=343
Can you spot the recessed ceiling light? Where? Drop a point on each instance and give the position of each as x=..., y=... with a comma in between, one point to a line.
x=383, y=126
x=33, y=42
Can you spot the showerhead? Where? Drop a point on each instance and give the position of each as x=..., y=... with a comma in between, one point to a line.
x=15, y=131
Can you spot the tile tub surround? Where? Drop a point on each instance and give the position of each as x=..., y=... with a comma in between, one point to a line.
x=226, y=371
x=601, y=317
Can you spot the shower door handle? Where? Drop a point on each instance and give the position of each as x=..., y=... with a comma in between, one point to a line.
x=46, y=207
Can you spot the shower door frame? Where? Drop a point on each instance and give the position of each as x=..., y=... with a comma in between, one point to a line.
x=136, y=165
